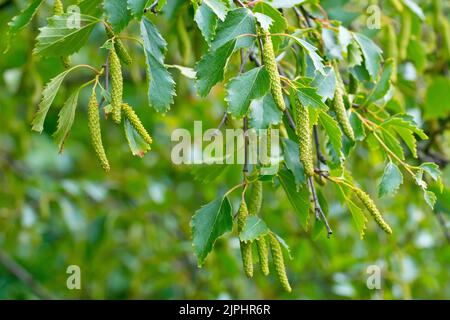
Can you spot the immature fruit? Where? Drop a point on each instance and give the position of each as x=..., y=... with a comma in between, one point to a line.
x=405, y=34
x=278, y=261
x=303, y=131
x=121, y=51
x=263, y=254
x=339, y=106
x=255, y=197
x=136, y=123
x=271, y=67
x=373, y=210
x=116, y=85
x=246, y=247
x=95, y=131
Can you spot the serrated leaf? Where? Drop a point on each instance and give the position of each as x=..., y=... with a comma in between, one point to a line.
x=208, y=224
x=211, y=68
x=137, y=7
x=325, y=83
x=284, y=3
x=371, y=53
x=264, y=21
x=391, y=180
x=62, y=37
x=333, y=49
x=65, y=119
x=359, y=219
x=161, y=87
x=433, y=170
x=430, y=198
x=254, y=228
x=117, y=14
x=264, y=112
x=354, y=55
x=185, y=71
x=382, y=86
x=242, y=89
x=206, y=21
x=333, y=131
x=298, y=196
x=238, y=22
x=393, y=144
x=48, y=95
x=137, y=145
x=279, y=24
x=312, y=53
x=21, y=20
x=309, y=97
x=218, y=7
x=291, y=156
x=358, y=127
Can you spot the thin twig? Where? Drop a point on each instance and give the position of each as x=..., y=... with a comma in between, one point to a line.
x=289, y=118
x=222, y=122
x=320, y=156
x=23, y=275
x=317, y=208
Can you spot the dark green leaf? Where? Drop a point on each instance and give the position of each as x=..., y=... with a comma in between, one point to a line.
x=206, y=21
x=117, y=14
x=254, y=228
x=65, y=119
x=371, y=53
x=264, y=112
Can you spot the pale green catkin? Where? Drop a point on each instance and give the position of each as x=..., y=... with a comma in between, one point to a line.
x=95, y=131
x=272, y=69
x=392, y=49
x=373, y=210
x=339, y=106
x=263, y=254
x=121, y=51
x=278, y=262
x=116, y=85
x=246, y=247
x=303, y=131
x=405, y=34
x=255, y=197
x=136, y=123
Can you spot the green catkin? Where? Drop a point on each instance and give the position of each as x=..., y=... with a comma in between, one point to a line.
x=278, y=261
x=255, y=198
x=121, y=51
x=392, y=49
x=136, y=122
x=95, y=131
x=339, y=106
x=246, y=247
x=263, y=254
x=272, y=69
x=58, y=10
x=373, y=210
x=405, y=35
x=116, y=85
x=303, y=131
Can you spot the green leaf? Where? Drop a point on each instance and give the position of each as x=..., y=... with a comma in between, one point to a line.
x=437, y=98
x=311, y=51
x=137, y=145
x=309, y=97
x=393, y=144
x=264, y=21
x=206, y=21
x=371, y=53
x=383, y=84
x=433, y=170
x=253, y=229
x=137, y=7
x=237, y=23
x=161, y=87
x=391, y=180
x=279, y=23
x=208, y=224
x=117, y=14
x=359, y=219
x=355, y=57
x=24, y=17
x=211, y=68
x=358, y=127
x=414, y=7
x=206, y=173
x=62, y=37
x=242, y=89
x=65, y=119
x=48, y=95
x=185, y=71
x=218, y=7
x=284, y=3
x=298, y=196
x=291, y=156
x=430, y=198
x=325, y=83
x=333, y=131
x=264, y=112
x=333, y=49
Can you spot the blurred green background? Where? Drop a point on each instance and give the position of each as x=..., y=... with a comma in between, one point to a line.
x=129, y=230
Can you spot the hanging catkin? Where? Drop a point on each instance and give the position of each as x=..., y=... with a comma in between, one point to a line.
x=255, y=197
x=121, y=51
x=278, y=261
x=136, y=122
x=95, y=131
x=339, y=106
x=392, y=49
x=373, y=210
x=263, y=254
x=271, y=67
x=116, y=85
x=246, y=247
x=405, y=34
x=303, y=131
